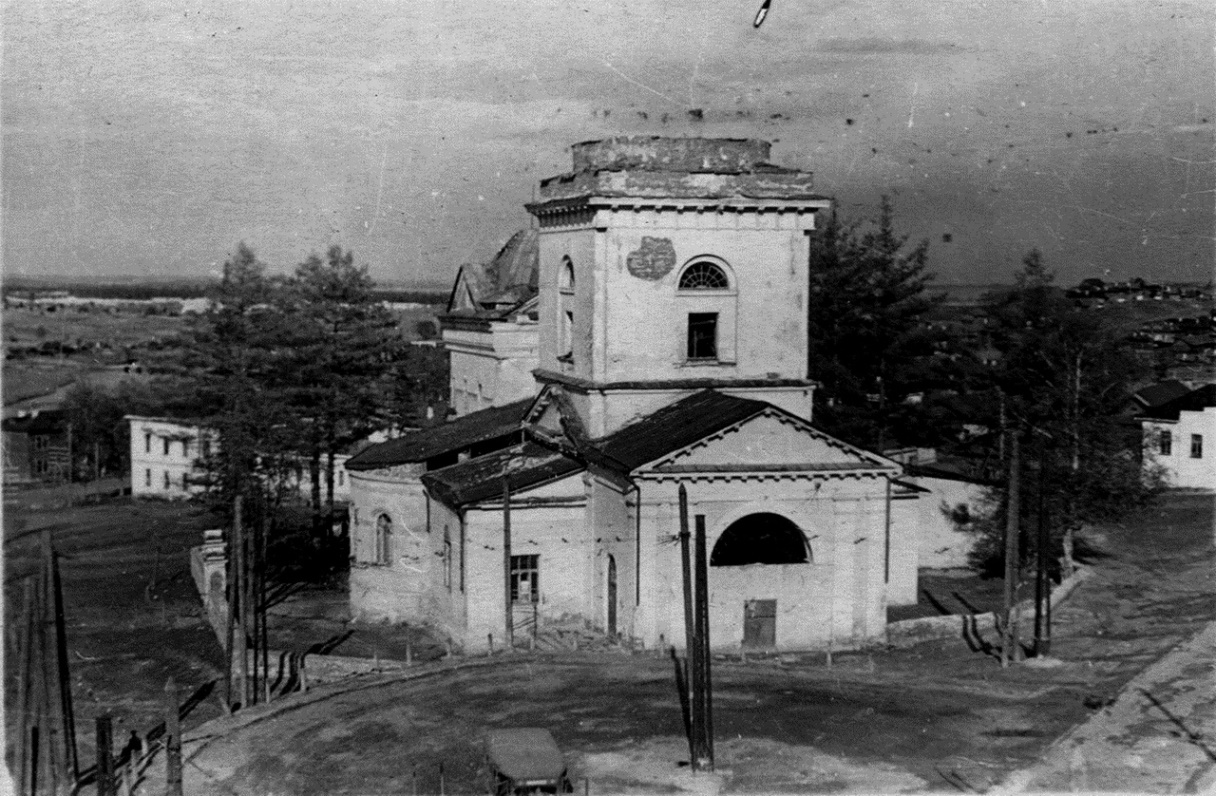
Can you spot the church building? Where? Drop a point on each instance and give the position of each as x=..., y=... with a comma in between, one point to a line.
x=665, y=291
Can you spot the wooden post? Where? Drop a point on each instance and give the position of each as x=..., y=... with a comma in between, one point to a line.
x=239, y=647
x=442, y=783
x=1040, y=563
x=690, y=633
x=173, y=742
x=34, y=754
x=263, y=607
x=105, y=757
x=707, y=703
x=1012, y=517
x=64, y=670
x=509, y=619
x=682, y=690
x=25, y=653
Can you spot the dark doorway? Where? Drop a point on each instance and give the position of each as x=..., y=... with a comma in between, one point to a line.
x=611, y=596
x=760, y=539
x=760, y=623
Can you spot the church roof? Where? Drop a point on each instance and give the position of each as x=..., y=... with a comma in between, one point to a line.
x=500, y=286
x=525, y=466
x=673, y=427
x=1193, y=401
x=459, y=434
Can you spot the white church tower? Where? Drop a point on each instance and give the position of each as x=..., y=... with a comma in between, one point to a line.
x=671, y=265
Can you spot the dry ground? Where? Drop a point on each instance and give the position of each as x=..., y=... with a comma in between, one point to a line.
x=934, y=717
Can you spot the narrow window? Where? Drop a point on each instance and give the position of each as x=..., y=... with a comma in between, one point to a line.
x=341, y=476
x=1196, y=446
x=147, y=442
x=565, y=289
x=384, y=533
x=167, y=481
x=167, y=447
x=206, y=449
x=703, y=335
x=148, y=477
x=1165, y=443
x=186, y=448
x=525, y=579
x=447, y=558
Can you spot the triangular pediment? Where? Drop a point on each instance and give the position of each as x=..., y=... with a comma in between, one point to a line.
x=464, y=292
x=553, y=420
x=770, y=441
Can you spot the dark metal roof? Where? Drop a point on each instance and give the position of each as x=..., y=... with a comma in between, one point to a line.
x=506, y=282
x=459, y=434
x=1157, y=394
x=525, y=465
x=674, y=427
x=1193, y=401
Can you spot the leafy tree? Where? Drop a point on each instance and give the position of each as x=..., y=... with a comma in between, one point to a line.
x=866, y=348
x=1061, y=385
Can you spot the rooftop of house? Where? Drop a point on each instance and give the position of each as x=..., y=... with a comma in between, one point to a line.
x=460, y=434
x=523, y=466
x=500, y=287
x=1193, y=401
x=1159, y=393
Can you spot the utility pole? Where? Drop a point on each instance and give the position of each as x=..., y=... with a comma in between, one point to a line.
x=1042, y=583
x=1012, y=512
x=703, y=663
x=690, y=633
x=509, y=620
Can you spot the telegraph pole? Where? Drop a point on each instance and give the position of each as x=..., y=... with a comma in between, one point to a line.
x=706, y=737
x=690, y=633
x=1012, y=515
x=509, y=628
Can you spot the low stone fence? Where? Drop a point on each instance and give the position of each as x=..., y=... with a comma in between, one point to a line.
x=973, y=626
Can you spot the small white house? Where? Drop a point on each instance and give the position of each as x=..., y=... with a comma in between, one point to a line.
x=166, y=457
x=1180, y=437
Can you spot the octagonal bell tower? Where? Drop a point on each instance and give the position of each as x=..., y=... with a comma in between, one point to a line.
x=671, y=265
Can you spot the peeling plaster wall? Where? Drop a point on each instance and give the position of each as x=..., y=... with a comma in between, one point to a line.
x=610, y=515
x=411, y=586
x=839, y=598
x=565, y=567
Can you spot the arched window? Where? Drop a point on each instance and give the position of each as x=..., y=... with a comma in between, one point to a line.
x=384, y=534
x=704, y=275
x=566, y=278
x=447, y=558
x=760, y=539
x=565, y=309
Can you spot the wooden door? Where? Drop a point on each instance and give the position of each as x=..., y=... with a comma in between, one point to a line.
x=760, y=623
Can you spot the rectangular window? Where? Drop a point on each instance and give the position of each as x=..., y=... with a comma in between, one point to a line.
x=41, y=442
x=166, y=447
x=1196, y=446
x=206, y=449
x=148, y=477
x=186, y=448
x=167, y=482
x=1165, y=443
x=703, y=335
x=147, y=442
x=525, y=579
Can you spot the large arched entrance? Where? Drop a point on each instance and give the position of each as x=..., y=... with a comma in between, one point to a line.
x=762, y=538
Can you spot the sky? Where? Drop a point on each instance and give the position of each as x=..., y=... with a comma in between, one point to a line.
x=149, y=138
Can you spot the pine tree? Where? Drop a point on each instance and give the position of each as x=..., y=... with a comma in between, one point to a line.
x=866, y=299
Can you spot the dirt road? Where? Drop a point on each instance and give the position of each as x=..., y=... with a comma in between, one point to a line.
x=936, y=717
